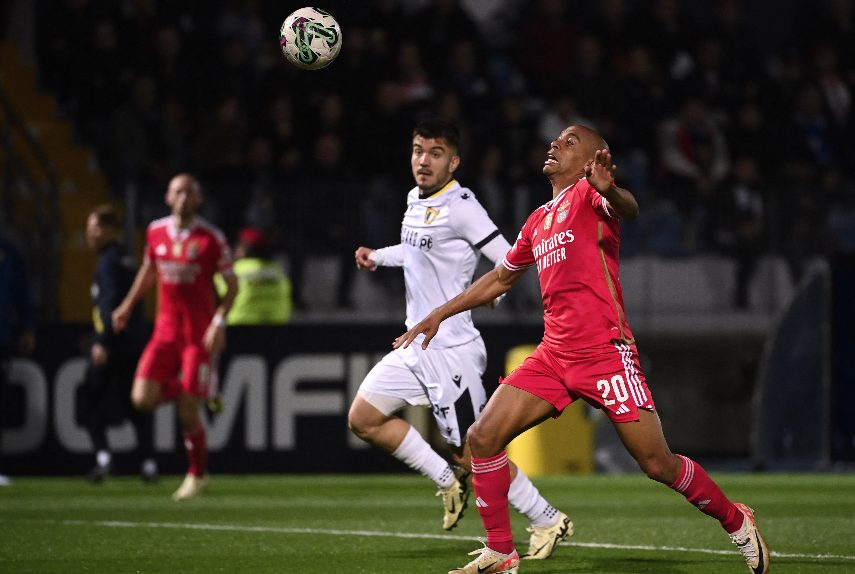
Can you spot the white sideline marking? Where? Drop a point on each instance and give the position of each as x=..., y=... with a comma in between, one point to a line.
x=411, y=535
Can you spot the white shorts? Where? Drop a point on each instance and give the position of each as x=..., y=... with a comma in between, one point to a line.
x=446, y=380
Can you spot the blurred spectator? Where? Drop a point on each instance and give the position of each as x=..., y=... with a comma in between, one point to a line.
x=410, y=74
x=560, y=113
x=841, y=216
x=440, y=25
x=667, y=34
x=541, y=46
x=467, y=77
x=739, y=224
x=320, y=219
x=837, y=95
x=104, y=78
x=264, y=291
x=694, y=155
x=812, y=137
x=802, y=215
x=17, y=321
x=613, y=25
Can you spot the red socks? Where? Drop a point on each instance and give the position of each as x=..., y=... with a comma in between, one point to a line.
x=491, y=479
x=695, y=484
x=196, y=445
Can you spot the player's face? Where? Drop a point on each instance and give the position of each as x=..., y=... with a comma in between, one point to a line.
x=183, y=196
x=570, y=151
x=433, y=162
x=94, y=232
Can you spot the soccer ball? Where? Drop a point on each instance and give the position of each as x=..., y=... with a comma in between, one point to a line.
x=310, y=38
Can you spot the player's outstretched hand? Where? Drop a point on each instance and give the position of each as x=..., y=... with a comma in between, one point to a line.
x=120, y=317
x=363, y=259
x=429, y=326
x=601, y=172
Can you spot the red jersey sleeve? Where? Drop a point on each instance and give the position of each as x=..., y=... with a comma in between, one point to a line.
x=148, y=254
x=599, y=204
x=521, y=255
x=224, y=263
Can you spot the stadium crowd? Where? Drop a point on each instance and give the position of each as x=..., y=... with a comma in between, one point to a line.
x=735, y=139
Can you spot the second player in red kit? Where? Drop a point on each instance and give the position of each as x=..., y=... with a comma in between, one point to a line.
x=183, y=253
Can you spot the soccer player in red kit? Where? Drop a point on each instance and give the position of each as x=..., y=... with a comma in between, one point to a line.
x=183, y=253
x=587, y=352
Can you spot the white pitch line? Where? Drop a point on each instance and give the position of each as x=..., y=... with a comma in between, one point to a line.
x=414, y=535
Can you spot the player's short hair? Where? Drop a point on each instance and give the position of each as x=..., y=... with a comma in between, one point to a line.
x=107, y=216
x=438, y=128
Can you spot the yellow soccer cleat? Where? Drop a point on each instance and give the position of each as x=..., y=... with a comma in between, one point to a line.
x=489, y=561
x=750, y=543
x=192, y=487
x=544, y=539
x=454, y=499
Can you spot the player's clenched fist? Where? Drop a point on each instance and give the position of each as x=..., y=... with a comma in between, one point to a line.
x=363, y=259
x=120, y=317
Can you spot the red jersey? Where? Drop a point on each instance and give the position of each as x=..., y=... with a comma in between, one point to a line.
x=575, y=244
x=186, y=261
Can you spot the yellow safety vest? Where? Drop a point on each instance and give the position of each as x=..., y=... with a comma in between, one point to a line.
x=264, y=293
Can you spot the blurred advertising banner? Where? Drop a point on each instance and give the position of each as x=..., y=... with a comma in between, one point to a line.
x=287, y=391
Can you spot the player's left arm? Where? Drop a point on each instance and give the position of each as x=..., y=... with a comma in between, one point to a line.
x=215, y=335
x=487, y=288
x=473, y=223
x=601, y=175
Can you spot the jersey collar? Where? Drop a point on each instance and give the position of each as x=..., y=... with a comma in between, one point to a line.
x=177, y=233
x=445, y=188
x=554, y=201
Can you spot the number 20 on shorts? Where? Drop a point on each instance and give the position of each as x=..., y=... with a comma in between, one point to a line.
x=618, y=385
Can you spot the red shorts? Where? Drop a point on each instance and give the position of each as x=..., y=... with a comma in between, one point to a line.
x=166, y=362
x=608, y=376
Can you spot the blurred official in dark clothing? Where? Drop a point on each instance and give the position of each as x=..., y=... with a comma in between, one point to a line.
x=113, y=356
x=17, y=321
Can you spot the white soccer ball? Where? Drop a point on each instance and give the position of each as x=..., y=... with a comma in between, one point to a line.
x=310, y=38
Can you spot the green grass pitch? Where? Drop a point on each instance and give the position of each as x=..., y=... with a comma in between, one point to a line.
x=376, y=524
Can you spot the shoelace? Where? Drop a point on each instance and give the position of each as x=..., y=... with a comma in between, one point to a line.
x=744, y=544
x=482, y=551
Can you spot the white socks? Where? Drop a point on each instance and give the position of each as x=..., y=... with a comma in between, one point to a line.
x=416, y=453
x=103, y=458
x=525, y=497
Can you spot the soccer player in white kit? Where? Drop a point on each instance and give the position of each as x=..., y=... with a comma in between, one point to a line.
x=443, y=234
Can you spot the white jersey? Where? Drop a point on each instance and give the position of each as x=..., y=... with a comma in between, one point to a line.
x=442, y=237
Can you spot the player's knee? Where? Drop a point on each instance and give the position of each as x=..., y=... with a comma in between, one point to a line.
x=142, y=399
x=482, y=442
x=656, y=468
x=360, y=425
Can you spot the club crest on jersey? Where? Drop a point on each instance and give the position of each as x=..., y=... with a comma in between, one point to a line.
x=431, y=215
x=562, y=210
x=193, y=250
x=176, y=250
x=160, y=250
x=547, y=223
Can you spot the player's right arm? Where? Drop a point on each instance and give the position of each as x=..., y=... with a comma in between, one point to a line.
x=485, y=290
x=145, y=278
x=369, y=259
